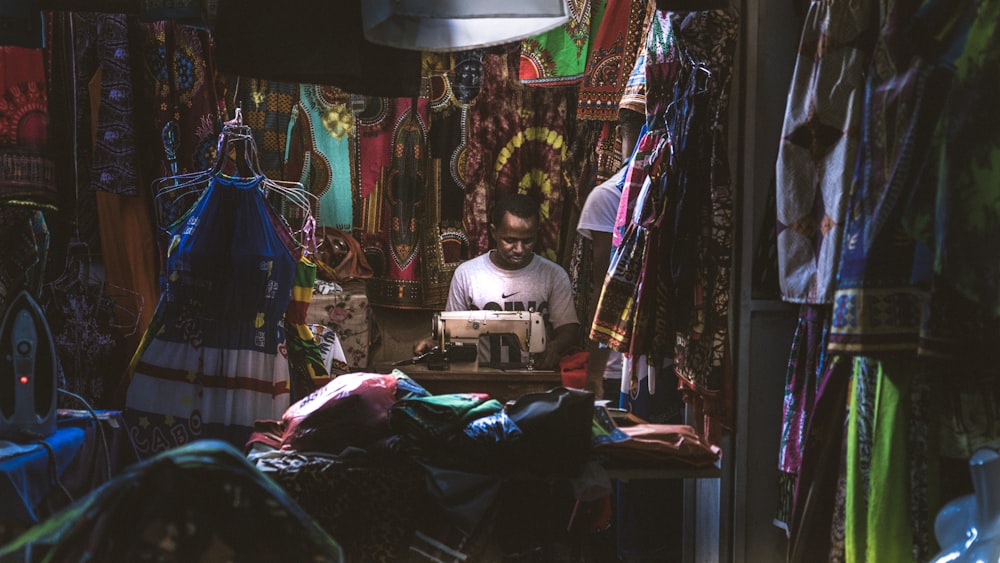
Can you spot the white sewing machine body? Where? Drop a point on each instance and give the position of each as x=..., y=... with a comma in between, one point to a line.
x=455, y=329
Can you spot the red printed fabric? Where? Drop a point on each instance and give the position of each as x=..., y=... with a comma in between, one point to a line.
x=27, y=173
x=612, y=55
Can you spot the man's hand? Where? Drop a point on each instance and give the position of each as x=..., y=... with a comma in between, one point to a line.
x=549, y=359
x=423, y=346
x=596, y=363
x=563, y=338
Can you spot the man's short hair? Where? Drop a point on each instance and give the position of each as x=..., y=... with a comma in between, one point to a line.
x=518, y=205
x=630, y=122
x=631, y=118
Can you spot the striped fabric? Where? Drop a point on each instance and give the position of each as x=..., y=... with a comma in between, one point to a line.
x=215, y=360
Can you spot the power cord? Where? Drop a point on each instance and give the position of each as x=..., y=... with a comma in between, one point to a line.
x=54, y=470
x=100, y=428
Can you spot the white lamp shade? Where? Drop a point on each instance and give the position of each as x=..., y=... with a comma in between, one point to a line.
x=457, y=25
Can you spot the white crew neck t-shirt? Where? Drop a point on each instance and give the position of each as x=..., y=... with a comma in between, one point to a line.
x=541, y=286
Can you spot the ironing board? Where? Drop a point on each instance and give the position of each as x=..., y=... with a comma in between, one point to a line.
x=74, y=454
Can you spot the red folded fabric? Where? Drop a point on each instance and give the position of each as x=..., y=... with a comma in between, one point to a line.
x=573, y=369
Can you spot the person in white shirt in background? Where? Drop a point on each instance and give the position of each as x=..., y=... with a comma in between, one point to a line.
x=597, y=222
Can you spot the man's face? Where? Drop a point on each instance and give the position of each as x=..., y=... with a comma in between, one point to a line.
x=515, y=239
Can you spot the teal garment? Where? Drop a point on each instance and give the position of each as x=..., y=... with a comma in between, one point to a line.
x=437, y=417
x=559, y=57
x=200, y=500
x=318, y=152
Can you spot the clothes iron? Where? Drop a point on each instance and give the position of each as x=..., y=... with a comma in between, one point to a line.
x=28, y=372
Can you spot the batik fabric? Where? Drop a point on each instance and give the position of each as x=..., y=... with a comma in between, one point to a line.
x=390, y=161
x=318, y=154
x=517, y=144
x=819, y=145
x=692, y=295
x=877, y=308
x=180, y=83
x=102, y=43
x=266, y=106
x=612, y=56
x=802, y=381
x=27, y=173
x=559, y=57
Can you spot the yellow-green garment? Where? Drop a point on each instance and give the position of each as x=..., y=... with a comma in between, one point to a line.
x=891, y=489
x=307, y=370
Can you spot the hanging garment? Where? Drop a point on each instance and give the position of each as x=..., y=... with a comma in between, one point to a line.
x=318, y=154
x=181, y=97
x=27, y=173
x=307, y=367
x=802, y=380
x=968, y=239
x=816, y=512
x=392, y=178
x=819, y=145
x=616, y=307
x=102, y=48
x=455, y=82
x=559, y=57
x=127, y=235
x=877, y=307
x=611, y=57
x=85, y=324
x=214, y=359
x=887, y=516
x=267, y=109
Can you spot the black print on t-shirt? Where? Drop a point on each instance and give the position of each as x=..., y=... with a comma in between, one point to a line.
x=542, y=308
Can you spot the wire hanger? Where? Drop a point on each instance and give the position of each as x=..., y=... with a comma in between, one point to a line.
x=237, y=157
x=79, y=278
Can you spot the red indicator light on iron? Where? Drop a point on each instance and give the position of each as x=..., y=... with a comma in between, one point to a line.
x=23, y=379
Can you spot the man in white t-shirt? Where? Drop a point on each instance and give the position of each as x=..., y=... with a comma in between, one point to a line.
x=512, y=277
x=597, y=222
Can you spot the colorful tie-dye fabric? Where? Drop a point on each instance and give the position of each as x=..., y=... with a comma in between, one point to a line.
x=517, y=144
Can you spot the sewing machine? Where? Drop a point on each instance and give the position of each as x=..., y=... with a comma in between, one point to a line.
x=457, y=335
